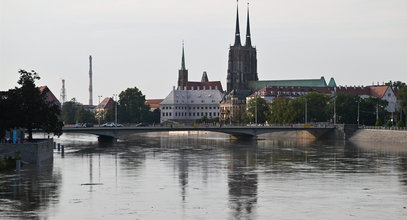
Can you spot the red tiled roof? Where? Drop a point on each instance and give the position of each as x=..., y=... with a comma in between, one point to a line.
x=378, y=91
x=106, y=103
x=154, y=103
x=49, y=96
x=207, y=85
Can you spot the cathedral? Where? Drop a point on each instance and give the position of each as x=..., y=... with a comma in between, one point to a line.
x=242, y=62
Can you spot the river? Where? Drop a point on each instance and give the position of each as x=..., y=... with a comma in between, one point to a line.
x=209, y=176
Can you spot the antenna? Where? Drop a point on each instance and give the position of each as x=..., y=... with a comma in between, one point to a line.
x=63, y=92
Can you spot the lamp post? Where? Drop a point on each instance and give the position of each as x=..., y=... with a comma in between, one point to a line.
x=334, y=105
x=306, y=113
x=115, y=109
x=98, y=113
x=256, y=109
x=358, y=111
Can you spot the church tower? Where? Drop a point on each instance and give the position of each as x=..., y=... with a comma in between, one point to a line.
x=183, y=72
x=242, y=63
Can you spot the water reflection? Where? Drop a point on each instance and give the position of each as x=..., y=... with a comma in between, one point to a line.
x=190, y=176
x=242, y=182
x=30, y=193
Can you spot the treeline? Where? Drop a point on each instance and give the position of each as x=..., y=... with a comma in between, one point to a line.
x=317, y=107
x=131, y=108
x=26, y=107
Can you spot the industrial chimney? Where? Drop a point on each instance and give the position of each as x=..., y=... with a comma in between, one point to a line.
x=90, y=82
x=63, y=92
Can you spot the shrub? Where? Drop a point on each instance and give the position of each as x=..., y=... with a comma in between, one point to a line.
x=378, y=123
x=389, y=124
x=400, y=124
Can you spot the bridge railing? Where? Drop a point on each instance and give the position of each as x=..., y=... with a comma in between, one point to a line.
x=383, y=128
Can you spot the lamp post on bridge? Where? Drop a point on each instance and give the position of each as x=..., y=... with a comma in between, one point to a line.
x=115, y=110
x=98, y=113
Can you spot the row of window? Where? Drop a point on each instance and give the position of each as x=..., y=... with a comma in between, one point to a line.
x=184, y=107
x=192, y=101
x=191, y=114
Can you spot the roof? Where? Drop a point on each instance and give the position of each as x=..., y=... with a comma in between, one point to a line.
x=183, y=97
x=292, y=91
x=211, y=85
x=256, y=85
x=154, y=103
x=378, y=91
x=49, y=96
x=106, y=103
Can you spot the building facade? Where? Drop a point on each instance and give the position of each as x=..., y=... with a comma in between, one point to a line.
x=189, y=105
x=242, y=61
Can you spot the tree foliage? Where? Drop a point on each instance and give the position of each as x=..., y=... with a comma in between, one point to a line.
x=74, y=112
x=257, y=104
x=403, y=98
x=132, y=107
x=26, y=107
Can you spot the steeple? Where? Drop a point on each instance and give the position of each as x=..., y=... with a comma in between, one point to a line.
x=237, y=34
x=183, y=58
x=248, y=37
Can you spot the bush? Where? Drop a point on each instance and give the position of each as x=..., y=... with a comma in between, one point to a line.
x=378, y=123
x=400, y=124
x=389, y=124
x=2, y=164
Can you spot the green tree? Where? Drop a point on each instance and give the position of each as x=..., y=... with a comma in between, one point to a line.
x=295, y=112
x=402, y=96
x=317, y=106
x=398, y=84
x=132, y=107
x=346, y=108
x=83, y=115
x=257, y=104
x=278, y=111
x=69, y=110
x=28, y=108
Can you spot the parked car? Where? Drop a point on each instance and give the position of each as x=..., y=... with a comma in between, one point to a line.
x=142, y=124
x=78, y=125
x=109, y=124
x=112, y=124
x=87, y=125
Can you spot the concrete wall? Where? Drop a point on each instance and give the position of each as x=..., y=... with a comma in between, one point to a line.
x=34, y=153
x=378, y=135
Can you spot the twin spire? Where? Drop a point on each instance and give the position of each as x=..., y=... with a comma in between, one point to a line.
x=237, y=33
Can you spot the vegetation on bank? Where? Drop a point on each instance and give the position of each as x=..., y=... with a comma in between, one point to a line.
x=131, y=108
x=317, y=107
x=26, y=107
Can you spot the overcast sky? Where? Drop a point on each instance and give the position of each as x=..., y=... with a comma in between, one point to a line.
x=138, y=42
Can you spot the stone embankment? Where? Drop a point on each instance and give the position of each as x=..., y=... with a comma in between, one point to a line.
x=380, y=135
x=35, y=152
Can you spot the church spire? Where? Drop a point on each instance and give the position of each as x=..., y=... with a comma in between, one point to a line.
x=183, y=58
x=248, y=36
x=237, y=34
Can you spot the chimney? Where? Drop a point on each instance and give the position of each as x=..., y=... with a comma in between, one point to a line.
x=90, y=82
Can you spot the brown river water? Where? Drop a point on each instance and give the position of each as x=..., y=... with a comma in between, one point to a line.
x=209, y=176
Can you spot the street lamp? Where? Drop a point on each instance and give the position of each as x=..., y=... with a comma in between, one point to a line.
x=256, y=109
x=358, y=111
x=115, y=111
x=98, y=113
x=306, y=113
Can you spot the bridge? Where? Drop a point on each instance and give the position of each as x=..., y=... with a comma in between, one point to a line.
x=111, y=133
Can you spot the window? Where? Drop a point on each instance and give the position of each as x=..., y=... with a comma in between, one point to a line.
x=210, y=114
x=170, y=113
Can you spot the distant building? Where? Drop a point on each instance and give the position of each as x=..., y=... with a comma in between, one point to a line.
x=383, y=92
x=292, y=83
x=191, y=100
x=154, y=103
x=188, y=105
x=205, y=84
x=107, y=103
x=49, y=96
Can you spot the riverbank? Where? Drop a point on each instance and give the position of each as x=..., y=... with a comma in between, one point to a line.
x=378, y=135
x=36, y=152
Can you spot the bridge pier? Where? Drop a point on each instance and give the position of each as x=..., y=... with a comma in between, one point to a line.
x=106, y=139
x=242, y=137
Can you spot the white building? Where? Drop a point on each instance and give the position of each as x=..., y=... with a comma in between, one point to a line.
x=191, y=104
